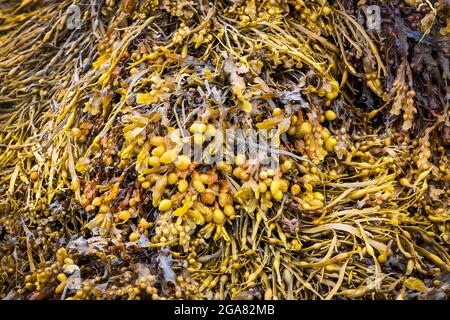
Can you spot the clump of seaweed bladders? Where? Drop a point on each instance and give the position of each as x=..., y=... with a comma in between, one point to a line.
x=346, y=197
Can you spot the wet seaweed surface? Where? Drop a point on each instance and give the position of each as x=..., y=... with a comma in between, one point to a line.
x=98, y=99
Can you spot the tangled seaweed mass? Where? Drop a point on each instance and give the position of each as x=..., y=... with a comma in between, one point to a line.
x=97, y=200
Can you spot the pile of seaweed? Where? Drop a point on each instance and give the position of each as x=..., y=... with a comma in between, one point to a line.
x=347, y=198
